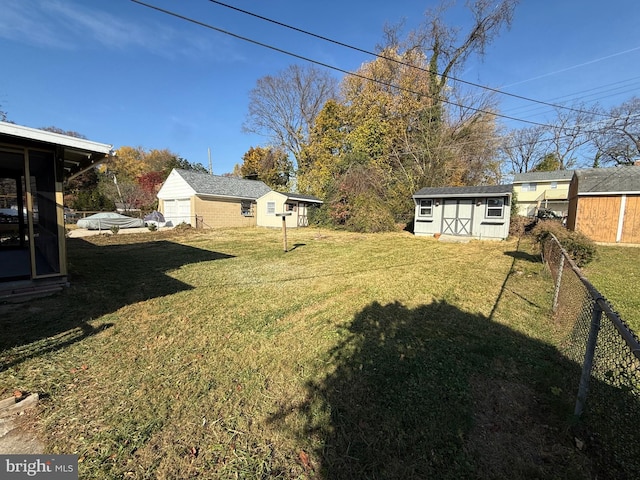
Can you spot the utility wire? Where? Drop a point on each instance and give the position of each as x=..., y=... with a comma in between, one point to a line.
x=332, y=67
x=382, y=57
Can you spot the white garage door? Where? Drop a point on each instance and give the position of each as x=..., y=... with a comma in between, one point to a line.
x=177, y=211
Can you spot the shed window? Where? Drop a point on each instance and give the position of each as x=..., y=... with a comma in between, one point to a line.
x=495, y=207
x=245, y=208
x=271, y=208
x=426, y=208
x=290, y=207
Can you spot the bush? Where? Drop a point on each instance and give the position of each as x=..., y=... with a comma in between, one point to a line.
x=580, y=247
x=519, y=225
x=152, y=227
x=369, y=214
x=114, y=229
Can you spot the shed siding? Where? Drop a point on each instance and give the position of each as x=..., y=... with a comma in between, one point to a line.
x=222, y=213
x=597, y=217
x=631, y=226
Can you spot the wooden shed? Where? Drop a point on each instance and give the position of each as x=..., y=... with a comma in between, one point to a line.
x=33, y=165
x=481, y=212
x=604, y=204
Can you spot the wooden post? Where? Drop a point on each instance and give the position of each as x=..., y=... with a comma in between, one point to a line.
x=284, y=232
x=284, y=216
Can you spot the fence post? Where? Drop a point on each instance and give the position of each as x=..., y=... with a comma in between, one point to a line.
x=556, y=293
x=583, y=390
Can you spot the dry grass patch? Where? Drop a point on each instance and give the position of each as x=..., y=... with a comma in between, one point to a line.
x=215, y=354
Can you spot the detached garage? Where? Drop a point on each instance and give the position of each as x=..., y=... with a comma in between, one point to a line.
x=209, y=201
x=604, y=204
x=479, y=212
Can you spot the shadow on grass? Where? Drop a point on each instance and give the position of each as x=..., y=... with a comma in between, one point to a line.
x=435, y=392
x=103, y=279
x=520, y=255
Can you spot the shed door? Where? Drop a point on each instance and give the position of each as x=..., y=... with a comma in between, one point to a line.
x=456, y=216
x=177, y=211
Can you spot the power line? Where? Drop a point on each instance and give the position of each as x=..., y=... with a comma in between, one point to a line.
x=331, y=67
x=382, y=57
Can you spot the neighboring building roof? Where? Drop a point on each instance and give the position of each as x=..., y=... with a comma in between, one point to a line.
x=215, y=185
x=300, y=197
x=543, y=176
x=476, y=191
x=608, y=180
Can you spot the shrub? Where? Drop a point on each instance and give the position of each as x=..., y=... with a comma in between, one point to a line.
x=581, y=248
x=519, y=225
x=152, y=227
x=114, y=229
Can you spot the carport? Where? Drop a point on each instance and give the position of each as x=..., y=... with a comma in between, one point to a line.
x=33, y=165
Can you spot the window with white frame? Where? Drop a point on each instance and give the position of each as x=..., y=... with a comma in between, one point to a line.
x=529, y=187
x=271, y=208
x=495, y=208
x=426, y=207
x=554, y=185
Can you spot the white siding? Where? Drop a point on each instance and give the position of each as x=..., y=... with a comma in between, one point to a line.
x=175, y=187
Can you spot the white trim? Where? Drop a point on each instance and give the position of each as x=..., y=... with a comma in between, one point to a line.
x=605, y=194
x=54, y=138
x=623, y=206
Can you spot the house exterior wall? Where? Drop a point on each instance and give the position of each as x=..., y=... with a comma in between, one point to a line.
x=527, y=201
x=268, y=218
x=223, y=212
x=462, y=217
x=597, y=217
x=175, y=187
x=606, y=218
x=631, y=226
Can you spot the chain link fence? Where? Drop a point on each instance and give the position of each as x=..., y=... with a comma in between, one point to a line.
x=608, y=390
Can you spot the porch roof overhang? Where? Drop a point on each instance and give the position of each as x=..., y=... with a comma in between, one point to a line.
x=78, y=154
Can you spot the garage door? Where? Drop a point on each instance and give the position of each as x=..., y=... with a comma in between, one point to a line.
x=177, y=211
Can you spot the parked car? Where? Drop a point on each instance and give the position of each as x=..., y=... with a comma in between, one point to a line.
x=106, y=220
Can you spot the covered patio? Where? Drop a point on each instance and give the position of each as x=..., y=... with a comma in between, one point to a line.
x=33, y=165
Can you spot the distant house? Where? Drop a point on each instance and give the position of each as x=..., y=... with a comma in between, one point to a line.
x=535, y=190
x=272, y=203
x=33, y=165
x=604, y=204
x=204, y=200
x=479, y=212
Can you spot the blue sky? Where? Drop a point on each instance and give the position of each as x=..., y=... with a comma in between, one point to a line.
x=124, y=74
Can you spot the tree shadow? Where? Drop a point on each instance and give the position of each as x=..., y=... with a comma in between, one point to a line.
x=103, y=279
x=520, y=255
x=436, y=392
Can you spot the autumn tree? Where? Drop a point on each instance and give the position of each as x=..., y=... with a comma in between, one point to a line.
x=268, y=164
x=283, y=107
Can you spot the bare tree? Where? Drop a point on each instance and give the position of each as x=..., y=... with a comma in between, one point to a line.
x=617, y=141
x=571, y=131
x=522, y=149
x=283, y=107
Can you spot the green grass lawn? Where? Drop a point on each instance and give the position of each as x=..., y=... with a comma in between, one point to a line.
x=616, y=274
x=218, y=355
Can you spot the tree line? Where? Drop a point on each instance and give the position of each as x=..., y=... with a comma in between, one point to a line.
x=365, y=143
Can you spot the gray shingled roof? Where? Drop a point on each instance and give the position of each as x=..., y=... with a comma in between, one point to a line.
x=301, y=197
x=205, y=184
x=477, y=191
x=542, y=176
x=609, y=180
